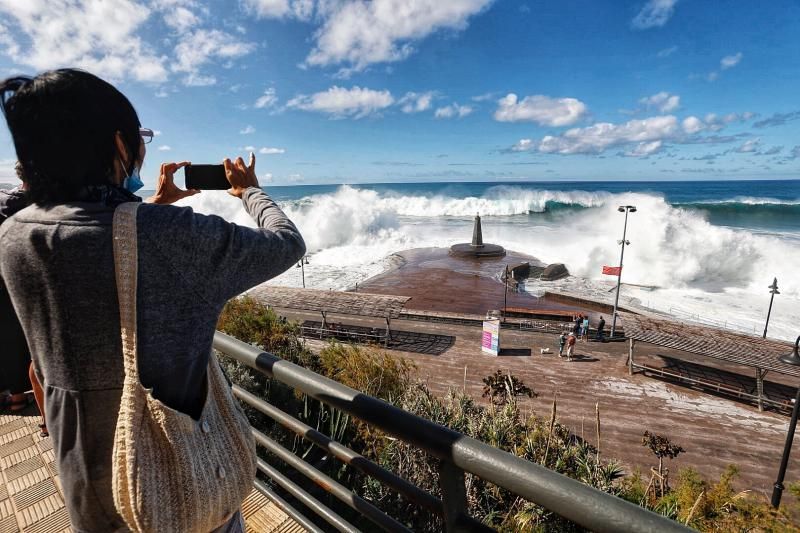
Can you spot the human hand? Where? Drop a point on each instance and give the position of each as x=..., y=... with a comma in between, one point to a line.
x=240, y=176
x=166, y=190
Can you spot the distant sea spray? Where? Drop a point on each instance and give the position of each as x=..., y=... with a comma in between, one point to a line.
x=673, y=245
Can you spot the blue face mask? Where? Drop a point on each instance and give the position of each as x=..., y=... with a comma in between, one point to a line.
x=132, y=182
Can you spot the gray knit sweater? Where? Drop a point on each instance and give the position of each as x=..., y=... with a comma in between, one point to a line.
x=58, y=265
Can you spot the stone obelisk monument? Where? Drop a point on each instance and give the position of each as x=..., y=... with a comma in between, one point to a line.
x=477, y=248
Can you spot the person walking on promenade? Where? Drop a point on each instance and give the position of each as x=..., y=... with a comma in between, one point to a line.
x=81, y=147
x=570, y=346
x=600, y=326
x=562, y=340
x=585, y=328
x=576, y=330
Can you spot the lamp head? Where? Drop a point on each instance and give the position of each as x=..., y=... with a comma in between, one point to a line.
x=792, y=358
x=632, y=208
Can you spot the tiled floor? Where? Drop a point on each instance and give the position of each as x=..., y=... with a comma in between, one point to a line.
x=30, y=493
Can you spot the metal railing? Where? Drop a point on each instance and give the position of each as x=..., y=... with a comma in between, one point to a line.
x=689, y=316
x=457, y=454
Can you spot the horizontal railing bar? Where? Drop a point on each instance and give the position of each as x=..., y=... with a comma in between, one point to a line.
x=284, y=506
x=342, y=452
x=319, y=508
x=584, y=505
x=330, y=485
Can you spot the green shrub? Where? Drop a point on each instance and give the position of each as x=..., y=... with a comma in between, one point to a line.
x=706, y=506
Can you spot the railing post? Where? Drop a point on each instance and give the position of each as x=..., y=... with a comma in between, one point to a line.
x=454, y=495
x=630, y=355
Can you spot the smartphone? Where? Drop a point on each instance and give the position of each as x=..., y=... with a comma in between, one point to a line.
x=206, y=177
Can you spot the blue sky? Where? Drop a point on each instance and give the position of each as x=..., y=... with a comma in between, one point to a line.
x=347, y=91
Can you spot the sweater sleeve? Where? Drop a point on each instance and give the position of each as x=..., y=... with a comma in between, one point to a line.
x=216, y=259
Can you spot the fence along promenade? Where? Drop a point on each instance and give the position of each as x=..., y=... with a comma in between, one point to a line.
x=457, y=453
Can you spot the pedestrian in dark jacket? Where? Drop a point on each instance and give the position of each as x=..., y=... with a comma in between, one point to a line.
x=81, y=147
x=14, y=356
x=600, y=326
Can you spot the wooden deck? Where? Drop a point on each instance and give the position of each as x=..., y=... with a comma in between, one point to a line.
x=715, y=430
x=31, y=499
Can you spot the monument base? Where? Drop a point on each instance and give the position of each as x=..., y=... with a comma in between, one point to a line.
x=485, y=250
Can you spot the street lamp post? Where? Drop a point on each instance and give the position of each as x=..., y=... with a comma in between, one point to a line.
x=622, y=209
x=792, y=359
x=302, y=266
x=773, y=290
x=505, y=298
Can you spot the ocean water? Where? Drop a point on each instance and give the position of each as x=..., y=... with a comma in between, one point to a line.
x=703, y=251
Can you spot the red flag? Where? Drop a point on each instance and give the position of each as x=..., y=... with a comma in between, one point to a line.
x=612, y=271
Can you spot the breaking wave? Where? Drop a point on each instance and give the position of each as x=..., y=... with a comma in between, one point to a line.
x=673, y=246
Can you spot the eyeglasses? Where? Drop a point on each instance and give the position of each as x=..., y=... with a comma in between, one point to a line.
x=147, y=135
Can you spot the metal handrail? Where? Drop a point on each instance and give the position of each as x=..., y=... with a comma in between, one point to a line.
x=569, y=498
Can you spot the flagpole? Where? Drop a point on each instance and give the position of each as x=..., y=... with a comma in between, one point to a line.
x=626, y=209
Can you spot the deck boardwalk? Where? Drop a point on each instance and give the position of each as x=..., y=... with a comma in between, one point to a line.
x=31, y=500
x=714, y=430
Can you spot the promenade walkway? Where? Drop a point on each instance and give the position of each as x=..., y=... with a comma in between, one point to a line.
x=31, y=500
x=716, y=430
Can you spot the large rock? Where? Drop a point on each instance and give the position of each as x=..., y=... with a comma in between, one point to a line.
x=554, y=272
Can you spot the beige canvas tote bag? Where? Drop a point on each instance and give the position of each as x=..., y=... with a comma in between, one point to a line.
x=172, y=473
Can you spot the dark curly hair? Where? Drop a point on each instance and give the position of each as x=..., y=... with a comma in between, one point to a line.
x=63, y=123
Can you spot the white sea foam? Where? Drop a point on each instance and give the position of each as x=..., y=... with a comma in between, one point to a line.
x=698, y=267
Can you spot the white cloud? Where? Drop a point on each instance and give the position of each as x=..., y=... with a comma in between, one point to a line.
x=247, y=130
x=541, y=109
x=203, y=46
x=195, y=79
x=484, y=97
x=716, y=122
x=416, y=102
x=644, y=149
x=730, y=61
x=295, y=178
x=271, y=151
x=301, y=9
x=524, y=145
x=358, y=34
x=161, y=93
x=164, y=148
x=666, y=52
x=340, y=102
x=749, y=146
x=248, y=149
x=266, y=177
x=725, y=63
x=655, y=13
x=692, y=125
x=663, y=102
x=97, y=36
x=156, y=133
x=268, y=99
x=603, y=135
x=453, y=110
x=180, y=15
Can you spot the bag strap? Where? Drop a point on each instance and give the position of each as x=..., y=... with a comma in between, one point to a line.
x=126, y=265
